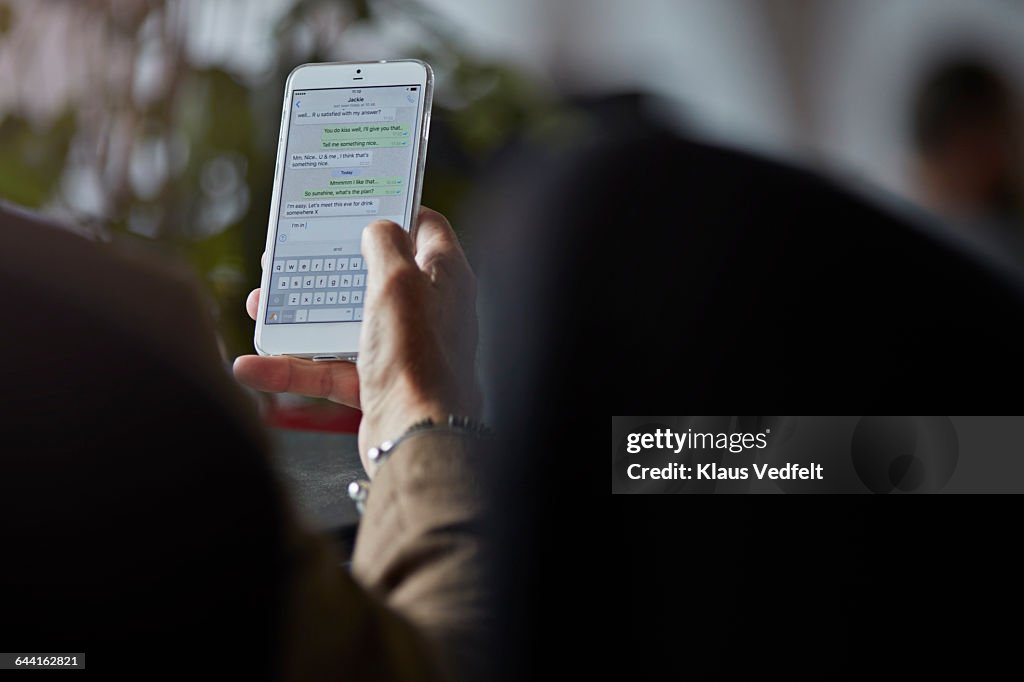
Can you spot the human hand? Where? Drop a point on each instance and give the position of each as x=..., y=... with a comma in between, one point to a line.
x=417, y=350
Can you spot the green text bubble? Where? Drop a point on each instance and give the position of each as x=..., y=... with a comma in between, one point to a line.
x=372, y=191
x=365, y=182
x=363, y=135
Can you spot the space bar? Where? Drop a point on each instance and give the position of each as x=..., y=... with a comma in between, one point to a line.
x=330, y=315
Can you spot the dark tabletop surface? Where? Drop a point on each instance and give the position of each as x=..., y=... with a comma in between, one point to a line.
x=317, y=468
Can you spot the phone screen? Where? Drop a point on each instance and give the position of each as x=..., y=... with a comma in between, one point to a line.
x=349, y=159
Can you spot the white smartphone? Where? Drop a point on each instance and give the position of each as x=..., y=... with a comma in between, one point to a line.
x=352, y=150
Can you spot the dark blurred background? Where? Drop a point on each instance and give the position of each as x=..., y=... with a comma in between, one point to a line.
x=158, y=119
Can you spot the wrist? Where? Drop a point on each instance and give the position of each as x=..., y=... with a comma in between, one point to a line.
x=412, y=396
x=389, y=424
x=459, y=425
x=395, y=421
x=455, y=429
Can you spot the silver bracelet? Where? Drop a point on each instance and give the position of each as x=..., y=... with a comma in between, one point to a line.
x=359, y=490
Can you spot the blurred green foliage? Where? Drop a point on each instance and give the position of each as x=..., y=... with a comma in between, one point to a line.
x=202, y=150
x=31, y=159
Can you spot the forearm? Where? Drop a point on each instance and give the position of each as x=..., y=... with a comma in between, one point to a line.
x=418, y=547
x=334, y=629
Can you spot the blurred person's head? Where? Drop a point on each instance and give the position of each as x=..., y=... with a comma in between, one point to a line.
x=710, y=279
x=965, y=133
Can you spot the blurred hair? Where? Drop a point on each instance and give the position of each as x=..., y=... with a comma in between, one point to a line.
x=960, y=93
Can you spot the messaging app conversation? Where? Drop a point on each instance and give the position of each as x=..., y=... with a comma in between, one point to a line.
x=348, y=161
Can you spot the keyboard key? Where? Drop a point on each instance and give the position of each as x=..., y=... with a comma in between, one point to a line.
x=282, y=282
x=330, y=315
x=317, y=265
x=276, y=300
x=355, y=264
x=307, y=298
x=329, y=264
x=359, y=281
x=307, y=282
x=343, y=297
x=321, y=281
x=343, y=264
x=332, y=281
x=279, y=266
x=274, y=317
x=291, y=266
x=300, y=315
x=296, y=283
x=346, y=280
x=293, y=299
x=318, y=298
x=359, y=314
x=332, y=297
x=357, y=297
x=303, y=266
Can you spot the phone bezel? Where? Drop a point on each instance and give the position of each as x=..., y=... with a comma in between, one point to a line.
x=336, y=341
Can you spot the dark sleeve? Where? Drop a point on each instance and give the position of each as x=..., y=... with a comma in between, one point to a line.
x=142, y=519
